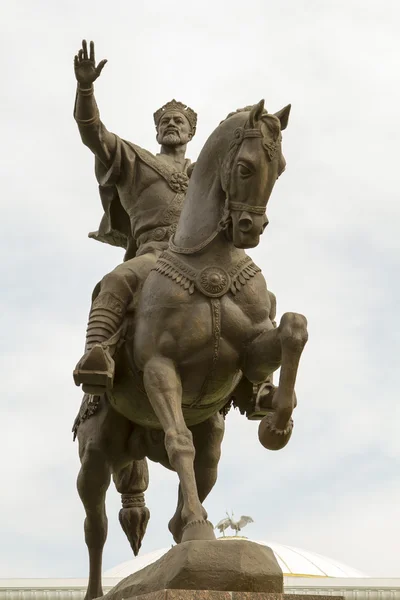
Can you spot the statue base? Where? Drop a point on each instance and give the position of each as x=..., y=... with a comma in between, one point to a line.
x=224, y=568
x=214, y=595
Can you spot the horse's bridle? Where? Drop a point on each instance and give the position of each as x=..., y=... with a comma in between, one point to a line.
x=226, y=169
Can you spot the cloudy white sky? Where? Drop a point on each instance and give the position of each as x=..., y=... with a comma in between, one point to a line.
x=331, y=251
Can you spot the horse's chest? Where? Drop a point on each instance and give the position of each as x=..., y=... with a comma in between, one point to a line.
x=221, y=348
x=231, y=322
x=206, y=313
x=246, y=314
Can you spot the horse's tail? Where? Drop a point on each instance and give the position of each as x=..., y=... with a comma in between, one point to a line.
x=132, y=482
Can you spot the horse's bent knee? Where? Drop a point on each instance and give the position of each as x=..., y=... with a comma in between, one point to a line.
x=293, y=331
x=178, y=443
x=294, y=320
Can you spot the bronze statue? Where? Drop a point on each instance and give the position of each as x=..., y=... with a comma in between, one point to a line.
x=194, y=332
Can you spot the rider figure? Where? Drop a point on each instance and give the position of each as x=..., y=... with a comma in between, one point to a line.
x=142, y=196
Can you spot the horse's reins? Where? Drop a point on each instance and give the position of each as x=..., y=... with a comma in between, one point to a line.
x=239, y=134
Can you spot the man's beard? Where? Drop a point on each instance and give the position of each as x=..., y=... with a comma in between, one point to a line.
x=171, y=139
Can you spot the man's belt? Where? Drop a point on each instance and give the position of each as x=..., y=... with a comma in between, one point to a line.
x=156, y=235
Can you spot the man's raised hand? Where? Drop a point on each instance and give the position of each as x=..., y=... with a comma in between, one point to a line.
x=86, y=71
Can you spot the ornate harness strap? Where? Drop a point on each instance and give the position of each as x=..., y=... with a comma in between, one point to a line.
x=213, y=282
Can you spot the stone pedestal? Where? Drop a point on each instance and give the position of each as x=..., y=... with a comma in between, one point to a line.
x=232, y=566
x=209, y=570
x=213, y=595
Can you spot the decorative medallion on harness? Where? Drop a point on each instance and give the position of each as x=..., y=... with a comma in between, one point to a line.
x=213, y=282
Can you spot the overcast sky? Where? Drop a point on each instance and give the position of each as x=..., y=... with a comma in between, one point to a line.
x=331, y=251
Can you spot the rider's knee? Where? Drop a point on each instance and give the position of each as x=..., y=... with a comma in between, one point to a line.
x=120, y=282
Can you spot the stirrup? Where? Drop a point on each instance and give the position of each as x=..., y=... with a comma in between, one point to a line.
x=95, y=371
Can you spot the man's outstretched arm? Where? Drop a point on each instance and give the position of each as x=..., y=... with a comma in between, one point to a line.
x=93, y=133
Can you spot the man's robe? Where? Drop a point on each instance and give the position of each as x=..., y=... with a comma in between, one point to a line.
x=139, y=192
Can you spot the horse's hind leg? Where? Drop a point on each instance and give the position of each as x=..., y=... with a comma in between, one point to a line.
x=93, y=481
x=207, y=439
x=131, y=482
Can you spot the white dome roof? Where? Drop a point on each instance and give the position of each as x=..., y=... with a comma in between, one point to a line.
x=293, y=562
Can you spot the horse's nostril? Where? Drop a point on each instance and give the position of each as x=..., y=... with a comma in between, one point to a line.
x=245, y=224
x=265, y=223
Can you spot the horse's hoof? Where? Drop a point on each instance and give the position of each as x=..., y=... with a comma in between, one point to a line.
x=95, y=371
x=175, y=528
x=198, y=530
x=271, y=437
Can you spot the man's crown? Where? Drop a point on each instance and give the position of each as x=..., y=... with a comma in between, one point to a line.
x=182, y=108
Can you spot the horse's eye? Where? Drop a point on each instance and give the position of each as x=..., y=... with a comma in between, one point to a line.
x=244, y=171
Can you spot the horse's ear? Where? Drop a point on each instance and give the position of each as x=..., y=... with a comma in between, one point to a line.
x=283, y=116
x=256, y=113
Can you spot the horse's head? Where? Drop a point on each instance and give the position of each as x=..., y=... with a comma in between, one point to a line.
x=232, y=181
x=250, y=168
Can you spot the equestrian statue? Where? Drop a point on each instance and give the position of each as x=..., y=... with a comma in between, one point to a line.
x=185, y=327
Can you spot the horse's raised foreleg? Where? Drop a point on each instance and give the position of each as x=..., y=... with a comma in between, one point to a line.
x=207, y=439
x=131, y=482
x=280, y=347
x=93, y=481
x=164, y=390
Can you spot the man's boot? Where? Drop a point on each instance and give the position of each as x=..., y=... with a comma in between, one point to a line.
x=95, y=370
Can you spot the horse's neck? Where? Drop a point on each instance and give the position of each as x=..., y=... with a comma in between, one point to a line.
x=201, y=213
x=220, y=252
x=199, y=220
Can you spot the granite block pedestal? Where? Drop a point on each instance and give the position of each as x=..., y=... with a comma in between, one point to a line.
x=215, y=595
x=208, y=570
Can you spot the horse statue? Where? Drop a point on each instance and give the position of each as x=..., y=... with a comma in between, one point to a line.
x=201, y=336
